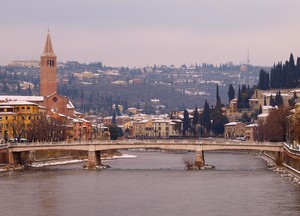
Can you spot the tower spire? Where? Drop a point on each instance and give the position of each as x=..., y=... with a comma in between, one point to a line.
x=48, y=64
x=48, y=49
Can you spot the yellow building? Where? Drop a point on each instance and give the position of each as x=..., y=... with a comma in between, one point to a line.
x=161, y=128
x=15, y=117
x=142, y=129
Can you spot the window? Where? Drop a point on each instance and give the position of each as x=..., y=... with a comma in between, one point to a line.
x=23, y=109
x=23, y=117
x=28, y=109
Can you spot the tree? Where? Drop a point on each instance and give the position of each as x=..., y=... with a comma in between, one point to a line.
x=239, y=99
x=205, y=118
x=195, y=121
x=272, y=101
x=218, y=99
x=231, y=93
x=186, y=121
x=264, y=82
x=113, y=130
x=275, y=126
x=245, y=118
x=195, y=116
x=18, y=127
x=218, y=120
x=114, y=120
x=278, y=101
x=293, y=100
x=46, y=128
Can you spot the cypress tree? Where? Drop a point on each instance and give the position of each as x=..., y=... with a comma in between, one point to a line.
x=231, y=93
x=293, y=100
x=240, y=99
x=218, y=99
x=196, y=116
x=114, y=120
x=272, y=102
x=186, y=121
x=263, y=82
x=205, y=118
x=278, y=99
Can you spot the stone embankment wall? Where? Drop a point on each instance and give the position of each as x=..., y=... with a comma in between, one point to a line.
x=292, y=160
x=3, y=156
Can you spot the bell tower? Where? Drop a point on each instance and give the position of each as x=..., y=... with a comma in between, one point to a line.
x=48, y=64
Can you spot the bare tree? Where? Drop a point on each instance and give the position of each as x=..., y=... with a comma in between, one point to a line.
x=275, y=126
x=18, y=127
x=46, y=128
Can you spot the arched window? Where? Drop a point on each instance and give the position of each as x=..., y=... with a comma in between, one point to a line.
x=28, y=109
x=23, y=109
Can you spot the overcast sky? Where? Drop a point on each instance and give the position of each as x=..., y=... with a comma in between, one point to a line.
x=147, y=32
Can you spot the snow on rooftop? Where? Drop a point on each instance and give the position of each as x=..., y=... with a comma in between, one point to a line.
x=17, y=102
x=231, y=123
x=70, y=105
x=269, y=94
x=252, y=125
x=21, y=98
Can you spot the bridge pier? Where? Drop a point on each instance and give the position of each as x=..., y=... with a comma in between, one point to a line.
x=199, y=158
x=279, y=158
x=14, y=158
x=25, y=157
x=94, y=159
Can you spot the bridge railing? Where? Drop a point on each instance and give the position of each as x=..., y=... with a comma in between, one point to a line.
x=291, y=150
x=146, y=141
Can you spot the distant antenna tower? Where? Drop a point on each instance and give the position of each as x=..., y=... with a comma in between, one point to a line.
x=248, y=57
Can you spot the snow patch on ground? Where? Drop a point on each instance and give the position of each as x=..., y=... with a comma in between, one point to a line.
x=124, y=156
x=37, y=164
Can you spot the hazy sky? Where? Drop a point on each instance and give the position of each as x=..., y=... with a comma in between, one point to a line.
x=147, y=32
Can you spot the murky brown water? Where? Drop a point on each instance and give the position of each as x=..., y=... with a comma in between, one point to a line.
x=152, y=184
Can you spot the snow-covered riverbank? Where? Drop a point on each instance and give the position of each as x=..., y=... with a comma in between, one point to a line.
x=283, y=172
x=62, y=162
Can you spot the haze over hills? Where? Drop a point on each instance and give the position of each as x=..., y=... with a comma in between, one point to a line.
x=95, y=88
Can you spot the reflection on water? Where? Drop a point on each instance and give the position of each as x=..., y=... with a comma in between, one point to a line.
x=154, y=183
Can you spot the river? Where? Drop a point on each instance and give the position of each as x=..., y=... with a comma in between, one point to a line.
x=154, y=183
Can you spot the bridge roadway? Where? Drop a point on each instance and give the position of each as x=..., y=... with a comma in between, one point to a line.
x=95, y=146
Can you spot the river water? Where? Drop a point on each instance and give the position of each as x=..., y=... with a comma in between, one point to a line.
x=154, y=183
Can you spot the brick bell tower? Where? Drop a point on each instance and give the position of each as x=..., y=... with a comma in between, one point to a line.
x=48, y=64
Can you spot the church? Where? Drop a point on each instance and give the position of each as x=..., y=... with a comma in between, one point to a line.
x=49, y=98
x=49, y=102
x=48, y=84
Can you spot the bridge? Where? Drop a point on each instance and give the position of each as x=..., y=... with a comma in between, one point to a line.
x=94, y=148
